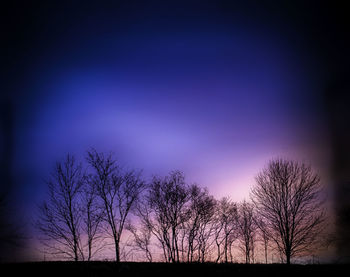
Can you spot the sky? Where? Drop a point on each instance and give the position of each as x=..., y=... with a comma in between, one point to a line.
x=215, y=89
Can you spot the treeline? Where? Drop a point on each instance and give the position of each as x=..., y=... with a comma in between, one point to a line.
x=88, y=208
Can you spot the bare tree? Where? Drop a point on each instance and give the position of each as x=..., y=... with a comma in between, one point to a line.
x=247, y=230
x=287, y=196
x=197, y=231
x=93, y=215
x=225, y=228
x=159, y=228
x=263, y=233
x=60, y=216
x=164, y=211
x=142, y=239
x=179, y=216
x=205, y=206
x=169, y=198
x=118, y=190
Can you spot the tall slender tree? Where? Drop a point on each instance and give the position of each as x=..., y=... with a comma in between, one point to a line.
x=226, y=217
x=164, y=210
x=263, y=234
x=196, y=232
x=92, y=214
x=246, y=229
x=118, y=190
x=60, y=216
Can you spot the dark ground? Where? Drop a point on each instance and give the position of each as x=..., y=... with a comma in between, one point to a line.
x=85, y=269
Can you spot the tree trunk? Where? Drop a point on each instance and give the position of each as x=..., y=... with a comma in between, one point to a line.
x=219, y=254
x=117, y=251
x=90, y=250
x=225, y=250
x=288, y=257
x=76, y=257
x=75, y=254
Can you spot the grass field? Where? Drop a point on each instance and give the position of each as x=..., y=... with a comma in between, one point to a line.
x=65, y=269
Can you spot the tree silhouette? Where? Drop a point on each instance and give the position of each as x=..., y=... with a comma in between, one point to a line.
x=142, y=239
x=60, y=216
x=168, y=199
x=246, y=229
x=196, y=232
x=263, y=233
x=164, y=210
x=93, y=215
x=118, y=190
x=287, y=196
x=186, y=222
x=225, y=228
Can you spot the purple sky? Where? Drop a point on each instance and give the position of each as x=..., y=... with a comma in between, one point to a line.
x=214, y=92
x=216, y=105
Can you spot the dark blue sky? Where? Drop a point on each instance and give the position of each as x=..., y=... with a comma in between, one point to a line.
x=212, y=88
